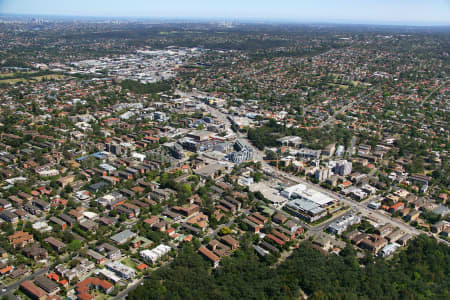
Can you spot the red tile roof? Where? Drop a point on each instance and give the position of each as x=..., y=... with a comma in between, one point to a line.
x=210, y=255
x=275, y=239
x=141, y=267
x=6, y=270
x=84, y=286
x=33, y=289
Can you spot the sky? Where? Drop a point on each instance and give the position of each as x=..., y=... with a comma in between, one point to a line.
x=407, y=12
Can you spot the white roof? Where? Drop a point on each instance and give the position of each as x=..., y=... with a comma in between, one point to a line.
x=156, y=253
x=90, y=214
x=306, y=192
x=107, y=167
x=110, y=275
x=40, y=225
x=138, y=155
x=120, y=267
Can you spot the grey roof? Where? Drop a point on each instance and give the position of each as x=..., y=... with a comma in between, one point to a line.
x=123, y=236
x=95, y=255
x=67, y=219
x=305, y=205
x=107, y=248
x=98, y=185
x=54, y=242
x=88, y=224
x=57, y=221
x=46, y=284
x=441, y=210
x=210, y=170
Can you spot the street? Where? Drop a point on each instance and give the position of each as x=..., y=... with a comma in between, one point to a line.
x=361, y=207
x=12, y=287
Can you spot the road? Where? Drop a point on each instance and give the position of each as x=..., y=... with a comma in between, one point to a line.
x=361, y=207
x=333, y=117
x=12, y=287
x=214, y=232
x=433, y=91
x=130, y=288
x=134, y=285
x=259, y=155
x=351, y=150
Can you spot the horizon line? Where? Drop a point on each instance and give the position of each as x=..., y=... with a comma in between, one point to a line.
x=245, y=20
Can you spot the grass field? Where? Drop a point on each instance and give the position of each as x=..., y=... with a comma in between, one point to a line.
x=11, y=74
x=341, y=86
x=3, y=75
x=128, y=262
x=15, y=74
x=47, y=77
x=12, y=81
x=32, y=79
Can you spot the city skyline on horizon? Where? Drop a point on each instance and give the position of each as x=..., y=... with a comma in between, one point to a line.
x=412, y=12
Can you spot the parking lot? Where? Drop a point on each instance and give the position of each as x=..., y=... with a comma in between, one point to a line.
x=269, y=192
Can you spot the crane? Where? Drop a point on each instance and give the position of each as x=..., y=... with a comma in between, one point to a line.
x=270, y=160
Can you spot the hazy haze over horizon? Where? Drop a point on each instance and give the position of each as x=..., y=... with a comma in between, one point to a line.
x=407, y=12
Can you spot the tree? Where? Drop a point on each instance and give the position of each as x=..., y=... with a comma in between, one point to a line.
x=257, y=176
x=225, y=231
x=74, y=245
x=419, y=272
x=122, y=217
x=7, y=228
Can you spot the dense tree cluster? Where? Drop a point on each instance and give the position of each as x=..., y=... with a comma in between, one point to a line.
x=146, y=88
x=419, y=272
x=317, y=138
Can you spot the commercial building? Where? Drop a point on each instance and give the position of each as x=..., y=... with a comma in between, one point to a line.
x=303, y=191
x=306, y=209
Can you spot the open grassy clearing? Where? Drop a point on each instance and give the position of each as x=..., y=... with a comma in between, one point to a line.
x=33, y=79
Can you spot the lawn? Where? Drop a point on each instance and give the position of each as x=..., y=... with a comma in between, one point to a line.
x=12, y=74
x=100, y=296
x=50, y=76
x=31, y=79
x=3, y=75
x=128, y=262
